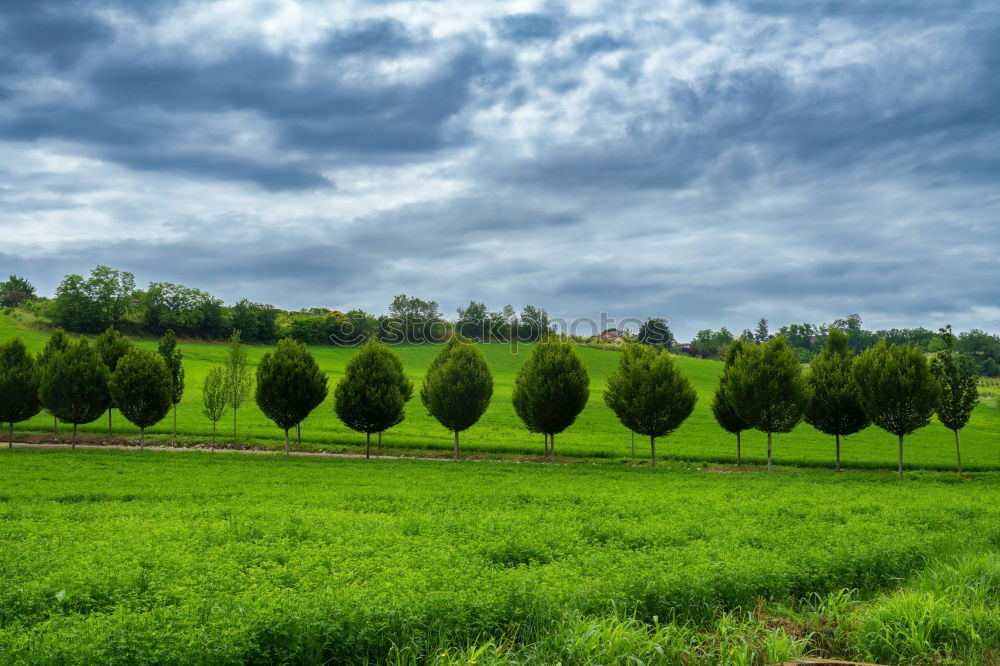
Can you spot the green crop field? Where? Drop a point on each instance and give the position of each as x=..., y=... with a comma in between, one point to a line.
x=195, y=558
x=596, y=434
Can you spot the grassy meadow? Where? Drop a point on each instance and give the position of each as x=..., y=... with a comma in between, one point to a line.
x=127, y=557
x=596, y=434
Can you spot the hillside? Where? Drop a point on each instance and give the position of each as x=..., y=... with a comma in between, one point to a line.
x=596, y=434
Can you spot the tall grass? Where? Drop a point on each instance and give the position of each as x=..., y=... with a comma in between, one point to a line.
x=192, y=558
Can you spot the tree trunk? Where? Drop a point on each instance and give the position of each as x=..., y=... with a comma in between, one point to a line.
x=55, y=425
x=739, y=452
x=552, y=447
x=234, y=423
x=633, y=446
x=900, y=473
x=298, y=434
x=111, y=430
x=546, y=435
x=768, y=452
x=142, y=439
x=175, y=421
x=286, y=441
x=213, y=435
x=73, y=445
x=456, y=445
x=368, y=445
x=652, y=449
x=10, y=435
x=958, y=453
x=838, y=451
x=380, y=442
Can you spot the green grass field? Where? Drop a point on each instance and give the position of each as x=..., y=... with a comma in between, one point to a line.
x=197, y=558
x=596, y=434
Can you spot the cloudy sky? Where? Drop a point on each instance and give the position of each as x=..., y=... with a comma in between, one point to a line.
x=711, y=162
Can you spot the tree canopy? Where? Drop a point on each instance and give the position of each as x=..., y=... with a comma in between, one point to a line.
x=141, y=388
x=457, y=386
x=649, y=394
x=896, y=388
x=16, y=291
x=959, y=388
x=767, y=389
x=551, y=388
x=290, y=385
x=19, y=383
x=723, y=411
x=655, y=332
x=214, y=397
x=238, y=381
x=371, y=396
x=74, y=385
x=835, y=408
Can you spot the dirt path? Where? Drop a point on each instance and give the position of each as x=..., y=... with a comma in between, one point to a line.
x=193, y=449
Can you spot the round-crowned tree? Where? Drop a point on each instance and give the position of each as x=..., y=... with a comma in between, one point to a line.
x=214, y=398
x=767, y=389
x=457, y=386
x=551, y=389
x=834, y=408
x=655, y=332
x=289, y=385
x=897, y=389
x=959, y=388
x=112, y=346
x=74, y=385
x=19, y=379
x=58, y=342
x=722, y=409
x=173, y=357
x=649, y=394
x=141, y=386
x=372, y=395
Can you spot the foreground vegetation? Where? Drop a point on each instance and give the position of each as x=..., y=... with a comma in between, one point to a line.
x=121, y=556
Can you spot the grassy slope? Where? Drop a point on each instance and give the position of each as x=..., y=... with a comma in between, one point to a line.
x=595, y=434
x=111, y=556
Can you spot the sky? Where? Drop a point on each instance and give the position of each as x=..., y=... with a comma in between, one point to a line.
x=708, y=162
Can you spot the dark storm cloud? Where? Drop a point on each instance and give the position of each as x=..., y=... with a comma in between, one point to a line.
x=58, y=34
x=723, y=162
x=380, y=37
x=141, y=102
x=600, y=42
x=528, y=27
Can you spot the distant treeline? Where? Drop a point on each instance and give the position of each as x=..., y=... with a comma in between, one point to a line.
x=982, y=348
x=109, y=297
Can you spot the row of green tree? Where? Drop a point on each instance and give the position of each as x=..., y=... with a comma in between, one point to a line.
x=894, y=387
x=762, y=387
